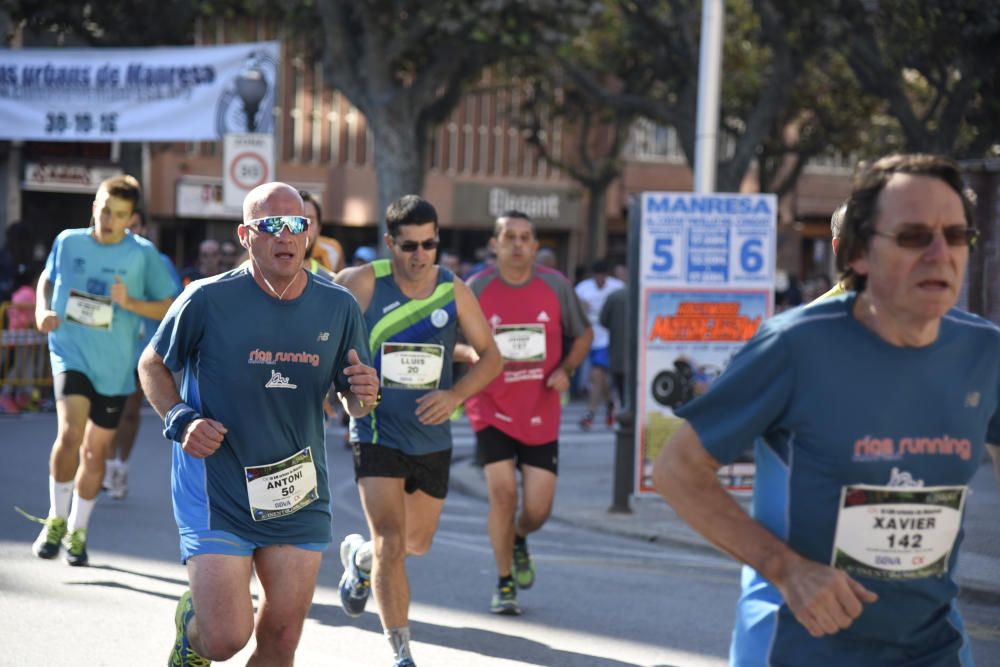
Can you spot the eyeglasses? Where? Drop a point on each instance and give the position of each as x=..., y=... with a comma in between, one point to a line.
x=273, y=224
x=411, y=246
x=921, y=236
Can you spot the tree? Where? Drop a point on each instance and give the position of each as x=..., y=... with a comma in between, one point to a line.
x=405, y=63
x=768, y=44
x=108, y=22
x=936, y=66
x=598, y=131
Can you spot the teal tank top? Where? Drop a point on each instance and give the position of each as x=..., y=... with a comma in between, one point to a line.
x=411, y=342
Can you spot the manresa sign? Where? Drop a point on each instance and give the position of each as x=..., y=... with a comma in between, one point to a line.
x=479, y=205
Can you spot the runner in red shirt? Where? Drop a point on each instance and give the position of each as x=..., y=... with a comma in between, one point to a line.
x=532, y=310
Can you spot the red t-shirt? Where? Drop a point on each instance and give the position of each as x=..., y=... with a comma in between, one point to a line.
x=530, y=323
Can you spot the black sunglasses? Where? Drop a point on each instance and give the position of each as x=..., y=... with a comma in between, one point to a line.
x=921, y=236
x=411, y=246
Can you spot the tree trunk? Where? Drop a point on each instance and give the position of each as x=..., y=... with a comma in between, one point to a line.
x=399, y=162
x=596, y=226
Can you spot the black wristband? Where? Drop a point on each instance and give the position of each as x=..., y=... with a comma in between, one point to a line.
x=177, y=420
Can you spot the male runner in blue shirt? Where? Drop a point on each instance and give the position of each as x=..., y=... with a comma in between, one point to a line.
x=872, y=410
x=259, y=348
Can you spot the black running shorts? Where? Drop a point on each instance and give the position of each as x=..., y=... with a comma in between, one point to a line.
x=105, y=411
x=427, y=472
x=494, y=445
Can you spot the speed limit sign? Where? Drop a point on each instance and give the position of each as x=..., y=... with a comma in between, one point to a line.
x=248, y=162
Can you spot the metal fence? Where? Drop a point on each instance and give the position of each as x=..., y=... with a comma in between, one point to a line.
x=25, y=373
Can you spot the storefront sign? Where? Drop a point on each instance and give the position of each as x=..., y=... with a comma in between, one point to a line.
x=153, y=94
x=706, y=285
x=480, y=205
x=56, y=177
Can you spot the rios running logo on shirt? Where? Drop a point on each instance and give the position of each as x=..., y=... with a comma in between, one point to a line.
x=279, y=381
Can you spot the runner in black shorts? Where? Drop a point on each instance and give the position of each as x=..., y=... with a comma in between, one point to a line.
x=402, y=450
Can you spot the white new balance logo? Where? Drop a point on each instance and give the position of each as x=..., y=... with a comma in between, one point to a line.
x=279, y=381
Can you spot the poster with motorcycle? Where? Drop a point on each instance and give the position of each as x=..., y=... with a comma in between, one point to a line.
x=706, y=285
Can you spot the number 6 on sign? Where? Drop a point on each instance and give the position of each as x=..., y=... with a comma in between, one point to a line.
x=752, y=256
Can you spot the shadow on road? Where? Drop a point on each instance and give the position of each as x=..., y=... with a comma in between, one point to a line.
x=473, y=640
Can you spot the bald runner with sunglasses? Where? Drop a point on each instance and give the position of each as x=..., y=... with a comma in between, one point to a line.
x=869, y=412
x=402, y=450
x=259, y=348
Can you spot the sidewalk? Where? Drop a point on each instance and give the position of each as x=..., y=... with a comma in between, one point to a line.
x=584, y=494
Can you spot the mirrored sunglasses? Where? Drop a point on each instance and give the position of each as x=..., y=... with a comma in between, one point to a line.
x=411, y=246
x=273, y=224
x=921, y=236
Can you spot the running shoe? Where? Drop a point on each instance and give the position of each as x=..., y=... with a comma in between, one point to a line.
x=182, y=654
x=76, y=547
x=109, y=476
x=354, y=584
x=587, y=422
x=505, y=601
x=119, y=481
x=404, y=662
x=53, y=530
x=524, y=569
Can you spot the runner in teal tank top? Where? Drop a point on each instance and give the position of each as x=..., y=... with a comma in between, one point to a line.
x=402, y=450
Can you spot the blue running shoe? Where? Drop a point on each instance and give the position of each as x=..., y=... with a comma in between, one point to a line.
x=354, y=584
x=183, y=655
x=404, y=662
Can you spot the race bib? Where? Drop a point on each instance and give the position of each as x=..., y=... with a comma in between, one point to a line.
x=282, y=488
x=521, y=342
x=412, y=365
x=888, y=532
x=90, y=310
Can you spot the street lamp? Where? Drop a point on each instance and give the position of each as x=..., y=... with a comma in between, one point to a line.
x=251, y=86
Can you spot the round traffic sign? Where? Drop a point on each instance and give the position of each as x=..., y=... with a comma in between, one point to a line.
x=248, y=170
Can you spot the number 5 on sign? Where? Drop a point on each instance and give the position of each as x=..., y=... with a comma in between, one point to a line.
x=662, y=259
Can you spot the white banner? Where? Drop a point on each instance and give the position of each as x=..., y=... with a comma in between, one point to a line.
x=155, y=94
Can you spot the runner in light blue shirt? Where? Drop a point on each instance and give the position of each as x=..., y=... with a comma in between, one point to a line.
x=97, y=284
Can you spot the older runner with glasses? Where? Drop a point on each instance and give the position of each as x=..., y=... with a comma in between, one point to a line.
x=869, y=412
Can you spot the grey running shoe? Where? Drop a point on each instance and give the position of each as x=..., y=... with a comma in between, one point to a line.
x=119, y=481
x=505, y=601
x=354, y=584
